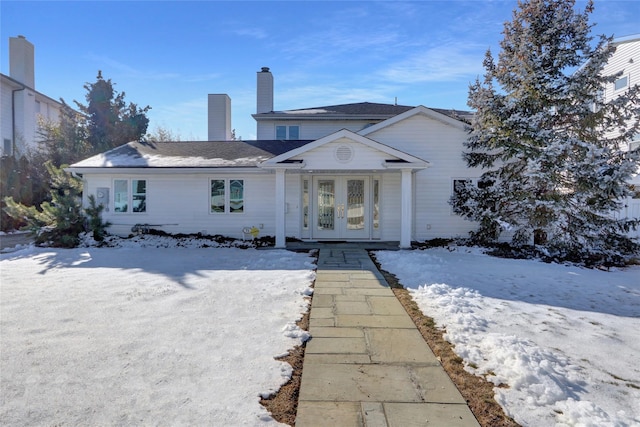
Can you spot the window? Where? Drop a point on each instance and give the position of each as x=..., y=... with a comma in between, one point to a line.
x=459, y=184
x=621, y=83
x=227, y=196
x=7, y=148
x=139, y=195
x=305, y=204
x=136, y=198
x=287, y=132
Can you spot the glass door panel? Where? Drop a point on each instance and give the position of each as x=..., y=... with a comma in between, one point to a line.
x=355, y=204
x=326, y=204
x=341, y=208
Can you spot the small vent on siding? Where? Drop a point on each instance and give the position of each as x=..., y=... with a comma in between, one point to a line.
x=344, y=154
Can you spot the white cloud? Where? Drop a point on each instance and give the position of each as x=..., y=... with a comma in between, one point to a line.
x=257, y=33
x=446, y=62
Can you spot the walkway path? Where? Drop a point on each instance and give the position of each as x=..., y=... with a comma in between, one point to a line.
x=367, y=364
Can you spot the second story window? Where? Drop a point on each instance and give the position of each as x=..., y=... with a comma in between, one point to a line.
x=287, y=132
x=621, y=83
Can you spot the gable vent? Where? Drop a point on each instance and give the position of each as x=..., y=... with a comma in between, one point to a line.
x=344, y=154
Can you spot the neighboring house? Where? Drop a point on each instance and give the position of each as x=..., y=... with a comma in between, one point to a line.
x=626, y=59
x=356, y=172
x=22, y=105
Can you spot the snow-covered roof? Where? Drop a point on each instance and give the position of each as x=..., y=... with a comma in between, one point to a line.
x=202, y=154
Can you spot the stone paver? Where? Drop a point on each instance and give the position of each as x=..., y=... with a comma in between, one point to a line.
x=366, y=364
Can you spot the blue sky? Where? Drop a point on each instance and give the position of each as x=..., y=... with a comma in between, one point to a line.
x=170, y=55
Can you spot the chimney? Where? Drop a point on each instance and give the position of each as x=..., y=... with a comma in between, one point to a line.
x=21, y=61
x=265, y=91
x=219, y=117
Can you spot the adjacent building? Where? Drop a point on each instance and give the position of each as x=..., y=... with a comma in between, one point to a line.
x=22, y=106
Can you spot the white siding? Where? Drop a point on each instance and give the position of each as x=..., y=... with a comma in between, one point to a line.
x=180, y=203
x=5, y=116
x=325, y=157
x=26, y=115
x=310, y=129
x=390, y=207
x=442, y=146
x=625, y=59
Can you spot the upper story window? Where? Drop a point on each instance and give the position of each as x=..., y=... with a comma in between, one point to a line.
x=621, y=83
x=130, y=195
x=287, y=132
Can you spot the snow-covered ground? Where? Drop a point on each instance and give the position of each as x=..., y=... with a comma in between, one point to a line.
x=564, y=340
x=137, y=335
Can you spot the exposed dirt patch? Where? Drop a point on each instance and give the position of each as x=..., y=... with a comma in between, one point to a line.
x=284, y=404
x=476, y=390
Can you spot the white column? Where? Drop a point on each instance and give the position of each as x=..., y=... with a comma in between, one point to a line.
x=281, y=241
x=405, y=209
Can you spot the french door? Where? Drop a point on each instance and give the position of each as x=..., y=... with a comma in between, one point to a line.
x=341, y=207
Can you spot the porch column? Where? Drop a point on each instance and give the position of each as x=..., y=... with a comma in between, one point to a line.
x=281, y=241
x=406, y=217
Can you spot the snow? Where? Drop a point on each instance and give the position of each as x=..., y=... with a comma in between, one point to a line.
x=307, y=111
x=564, y=340
x=111, y=159
x=146, y=335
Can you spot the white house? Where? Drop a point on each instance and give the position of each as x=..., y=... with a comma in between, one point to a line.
x=21, y=104
x=357, y=172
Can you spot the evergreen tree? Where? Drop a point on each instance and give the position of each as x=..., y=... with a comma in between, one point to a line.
x=552, y=172
x=63, y=141
x=111, y=122
x=59, y=222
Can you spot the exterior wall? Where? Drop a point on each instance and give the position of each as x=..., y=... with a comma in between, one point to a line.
x=309, y=129
x=625, y=59
x=29, y=106
x=180, y=203
x=390, y=207
x=442, y=146
x=6, y=126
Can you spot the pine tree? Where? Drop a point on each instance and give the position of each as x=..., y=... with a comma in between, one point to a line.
x=552, y=173
x=111, y=121
x=63, y=141
x=59, y=222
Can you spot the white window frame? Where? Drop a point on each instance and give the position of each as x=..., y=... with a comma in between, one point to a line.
x=227, y=196
x=130, y=195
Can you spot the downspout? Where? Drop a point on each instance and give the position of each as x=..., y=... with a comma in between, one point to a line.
x=13, y=119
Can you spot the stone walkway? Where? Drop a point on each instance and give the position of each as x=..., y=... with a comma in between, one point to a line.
x=367, y=364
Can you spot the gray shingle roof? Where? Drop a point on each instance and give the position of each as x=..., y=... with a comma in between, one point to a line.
x=359, y=110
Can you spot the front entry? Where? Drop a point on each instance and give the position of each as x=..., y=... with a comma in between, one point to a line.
x=341, y=207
